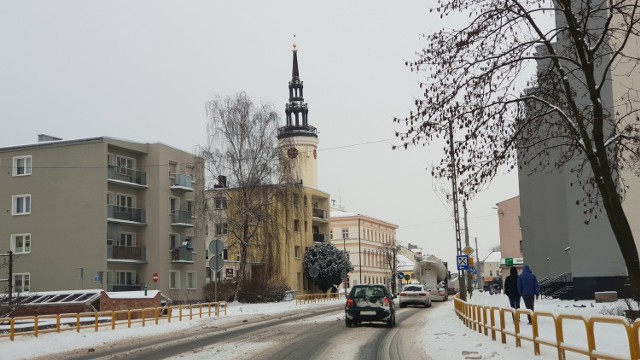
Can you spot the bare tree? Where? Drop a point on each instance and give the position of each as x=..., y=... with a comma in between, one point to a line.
x=567, y=118
x=242, y=156
x=390, y=260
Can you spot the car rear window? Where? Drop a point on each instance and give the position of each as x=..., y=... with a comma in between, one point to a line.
x=366, y=291
x=412, y=288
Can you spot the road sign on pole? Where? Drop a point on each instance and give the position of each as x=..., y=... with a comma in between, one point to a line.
x=463, y=262
x=468, y=250
x=400, y=275
x=216, y=262
x=216, y=247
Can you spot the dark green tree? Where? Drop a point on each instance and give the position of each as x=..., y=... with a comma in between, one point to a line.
x=330, y=263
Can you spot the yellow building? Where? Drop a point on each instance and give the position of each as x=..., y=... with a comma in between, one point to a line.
x=301, y=219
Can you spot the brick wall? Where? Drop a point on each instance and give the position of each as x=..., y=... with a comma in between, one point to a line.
x=113, y=304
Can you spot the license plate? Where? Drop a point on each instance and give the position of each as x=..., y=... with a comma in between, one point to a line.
x=367, y=312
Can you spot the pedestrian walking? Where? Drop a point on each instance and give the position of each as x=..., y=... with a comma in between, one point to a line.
x=528, y=288
x=511, y=288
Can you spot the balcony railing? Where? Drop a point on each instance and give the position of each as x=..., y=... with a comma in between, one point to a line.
x=127, y=175
x=124, y=213
x=319, y=213
x=182, y=182
x=182, y=218
x=137, y=253
x=318, y=237
x=182, y=254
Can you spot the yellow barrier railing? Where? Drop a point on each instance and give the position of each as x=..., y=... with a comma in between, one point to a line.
x=35, y=325
x=312, y=298
x=482, y=319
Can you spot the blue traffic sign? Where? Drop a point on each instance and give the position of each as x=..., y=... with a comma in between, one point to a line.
x=401, y=275
x=463, y=262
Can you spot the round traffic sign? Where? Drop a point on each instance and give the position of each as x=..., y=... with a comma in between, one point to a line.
x=400, y=275
x=155, y=277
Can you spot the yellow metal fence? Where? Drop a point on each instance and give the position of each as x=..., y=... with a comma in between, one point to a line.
x=490, y=320
x=313, y=298
x=35, y=325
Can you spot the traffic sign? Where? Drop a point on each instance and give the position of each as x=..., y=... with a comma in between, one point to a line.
x=216, y=262
x=400, y=275
x=463, y=262
x=216, y=247
x=508, y=261
x=473, y=270
x=155, y=277
x=468, y=250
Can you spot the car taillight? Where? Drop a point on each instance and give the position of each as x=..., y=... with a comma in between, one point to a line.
x=422, y=294
x=349, y=303
x=386, y=301
x=403, y=294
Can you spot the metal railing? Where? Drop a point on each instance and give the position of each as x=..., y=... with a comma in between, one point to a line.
x=126, y=175
x=116, y=252
x=319, y=213
x=483, y=319
x=126, y=213
x=318, y=237
x=313, y=298
x=182, y=254
x=182, y=217
x=182, y=181
x=37, y=325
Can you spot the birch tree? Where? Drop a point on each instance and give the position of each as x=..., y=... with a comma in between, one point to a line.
x=564, y=117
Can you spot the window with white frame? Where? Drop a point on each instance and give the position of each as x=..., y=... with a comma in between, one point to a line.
x=174, y=241
x=124, y=164
x=191, y=280
x=22, y=165
x=125, y=278
x=21, y=243
x=21, y=204
x=22, y=282
x=221, y=202
x=128, y=239
x=345, y=233
x=190, y=207
x=221, y=229
x=174, y=280
x=174, y=204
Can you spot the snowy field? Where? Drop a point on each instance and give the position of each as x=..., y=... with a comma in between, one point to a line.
x=443, y=336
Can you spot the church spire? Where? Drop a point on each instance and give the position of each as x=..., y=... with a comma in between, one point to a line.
x=296, y=110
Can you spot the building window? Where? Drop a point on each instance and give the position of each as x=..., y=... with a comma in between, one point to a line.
x=174, y=241
x=173, y=167
x=296, y=250
x=125, y=201
x=174, y=280
x=221, y=229
x=225, y=254
x=191, y=280
x=127, y=239
x=22, y=165
x=125, y=278
x=174, y=204
x=345, y=233
x=491, y=273
x=221, y=202
x=22, y=282
x=305, y=226
x=21, y=204
x=21, y=243
x=296, y=225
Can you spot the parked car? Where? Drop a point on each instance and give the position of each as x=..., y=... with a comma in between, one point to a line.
x=369, y=303
x=414, y=294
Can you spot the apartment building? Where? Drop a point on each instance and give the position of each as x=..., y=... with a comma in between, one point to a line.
x=102, y=213
x=366, y=240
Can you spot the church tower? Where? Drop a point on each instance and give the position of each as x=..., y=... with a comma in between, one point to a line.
x=297, y=139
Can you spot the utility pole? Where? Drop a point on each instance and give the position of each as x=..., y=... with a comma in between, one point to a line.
x=456, y=214
x=466, y=244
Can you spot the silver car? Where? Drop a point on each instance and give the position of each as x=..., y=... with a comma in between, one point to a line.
x=414, y=294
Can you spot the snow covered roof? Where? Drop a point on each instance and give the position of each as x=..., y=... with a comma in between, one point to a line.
x=404, y=263
x=494, y=257
x=133, y=294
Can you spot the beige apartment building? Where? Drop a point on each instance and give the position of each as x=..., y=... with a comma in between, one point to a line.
x=366, y=240
x=102, y=213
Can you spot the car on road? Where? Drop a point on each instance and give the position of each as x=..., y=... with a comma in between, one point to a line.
x=414, y=294
x=439, y=294
x=369, y=303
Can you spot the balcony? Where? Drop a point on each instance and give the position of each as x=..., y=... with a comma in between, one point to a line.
x=318, y=237
x=182, y=218
x=136, y=254
x=182, y=182
x=182, y=254
x=319, y=214
x=126, y=215
x=126, y=176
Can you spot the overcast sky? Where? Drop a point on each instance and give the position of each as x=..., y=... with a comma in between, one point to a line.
x=143, y=70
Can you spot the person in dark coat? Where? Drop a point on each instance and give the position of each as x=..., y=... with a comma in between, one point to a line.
x=528, y=288
x=511, y=288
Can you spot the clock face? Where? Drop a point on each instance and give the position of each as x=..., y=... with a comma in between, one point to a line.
x=292, y=152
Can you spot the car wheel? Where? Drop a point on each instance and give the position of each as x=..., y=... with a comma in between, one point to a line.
x=429, y=304
x=348, y=322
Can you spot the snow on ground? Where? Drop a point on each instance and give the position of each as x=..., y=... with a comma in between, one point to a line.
x=444, y=336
